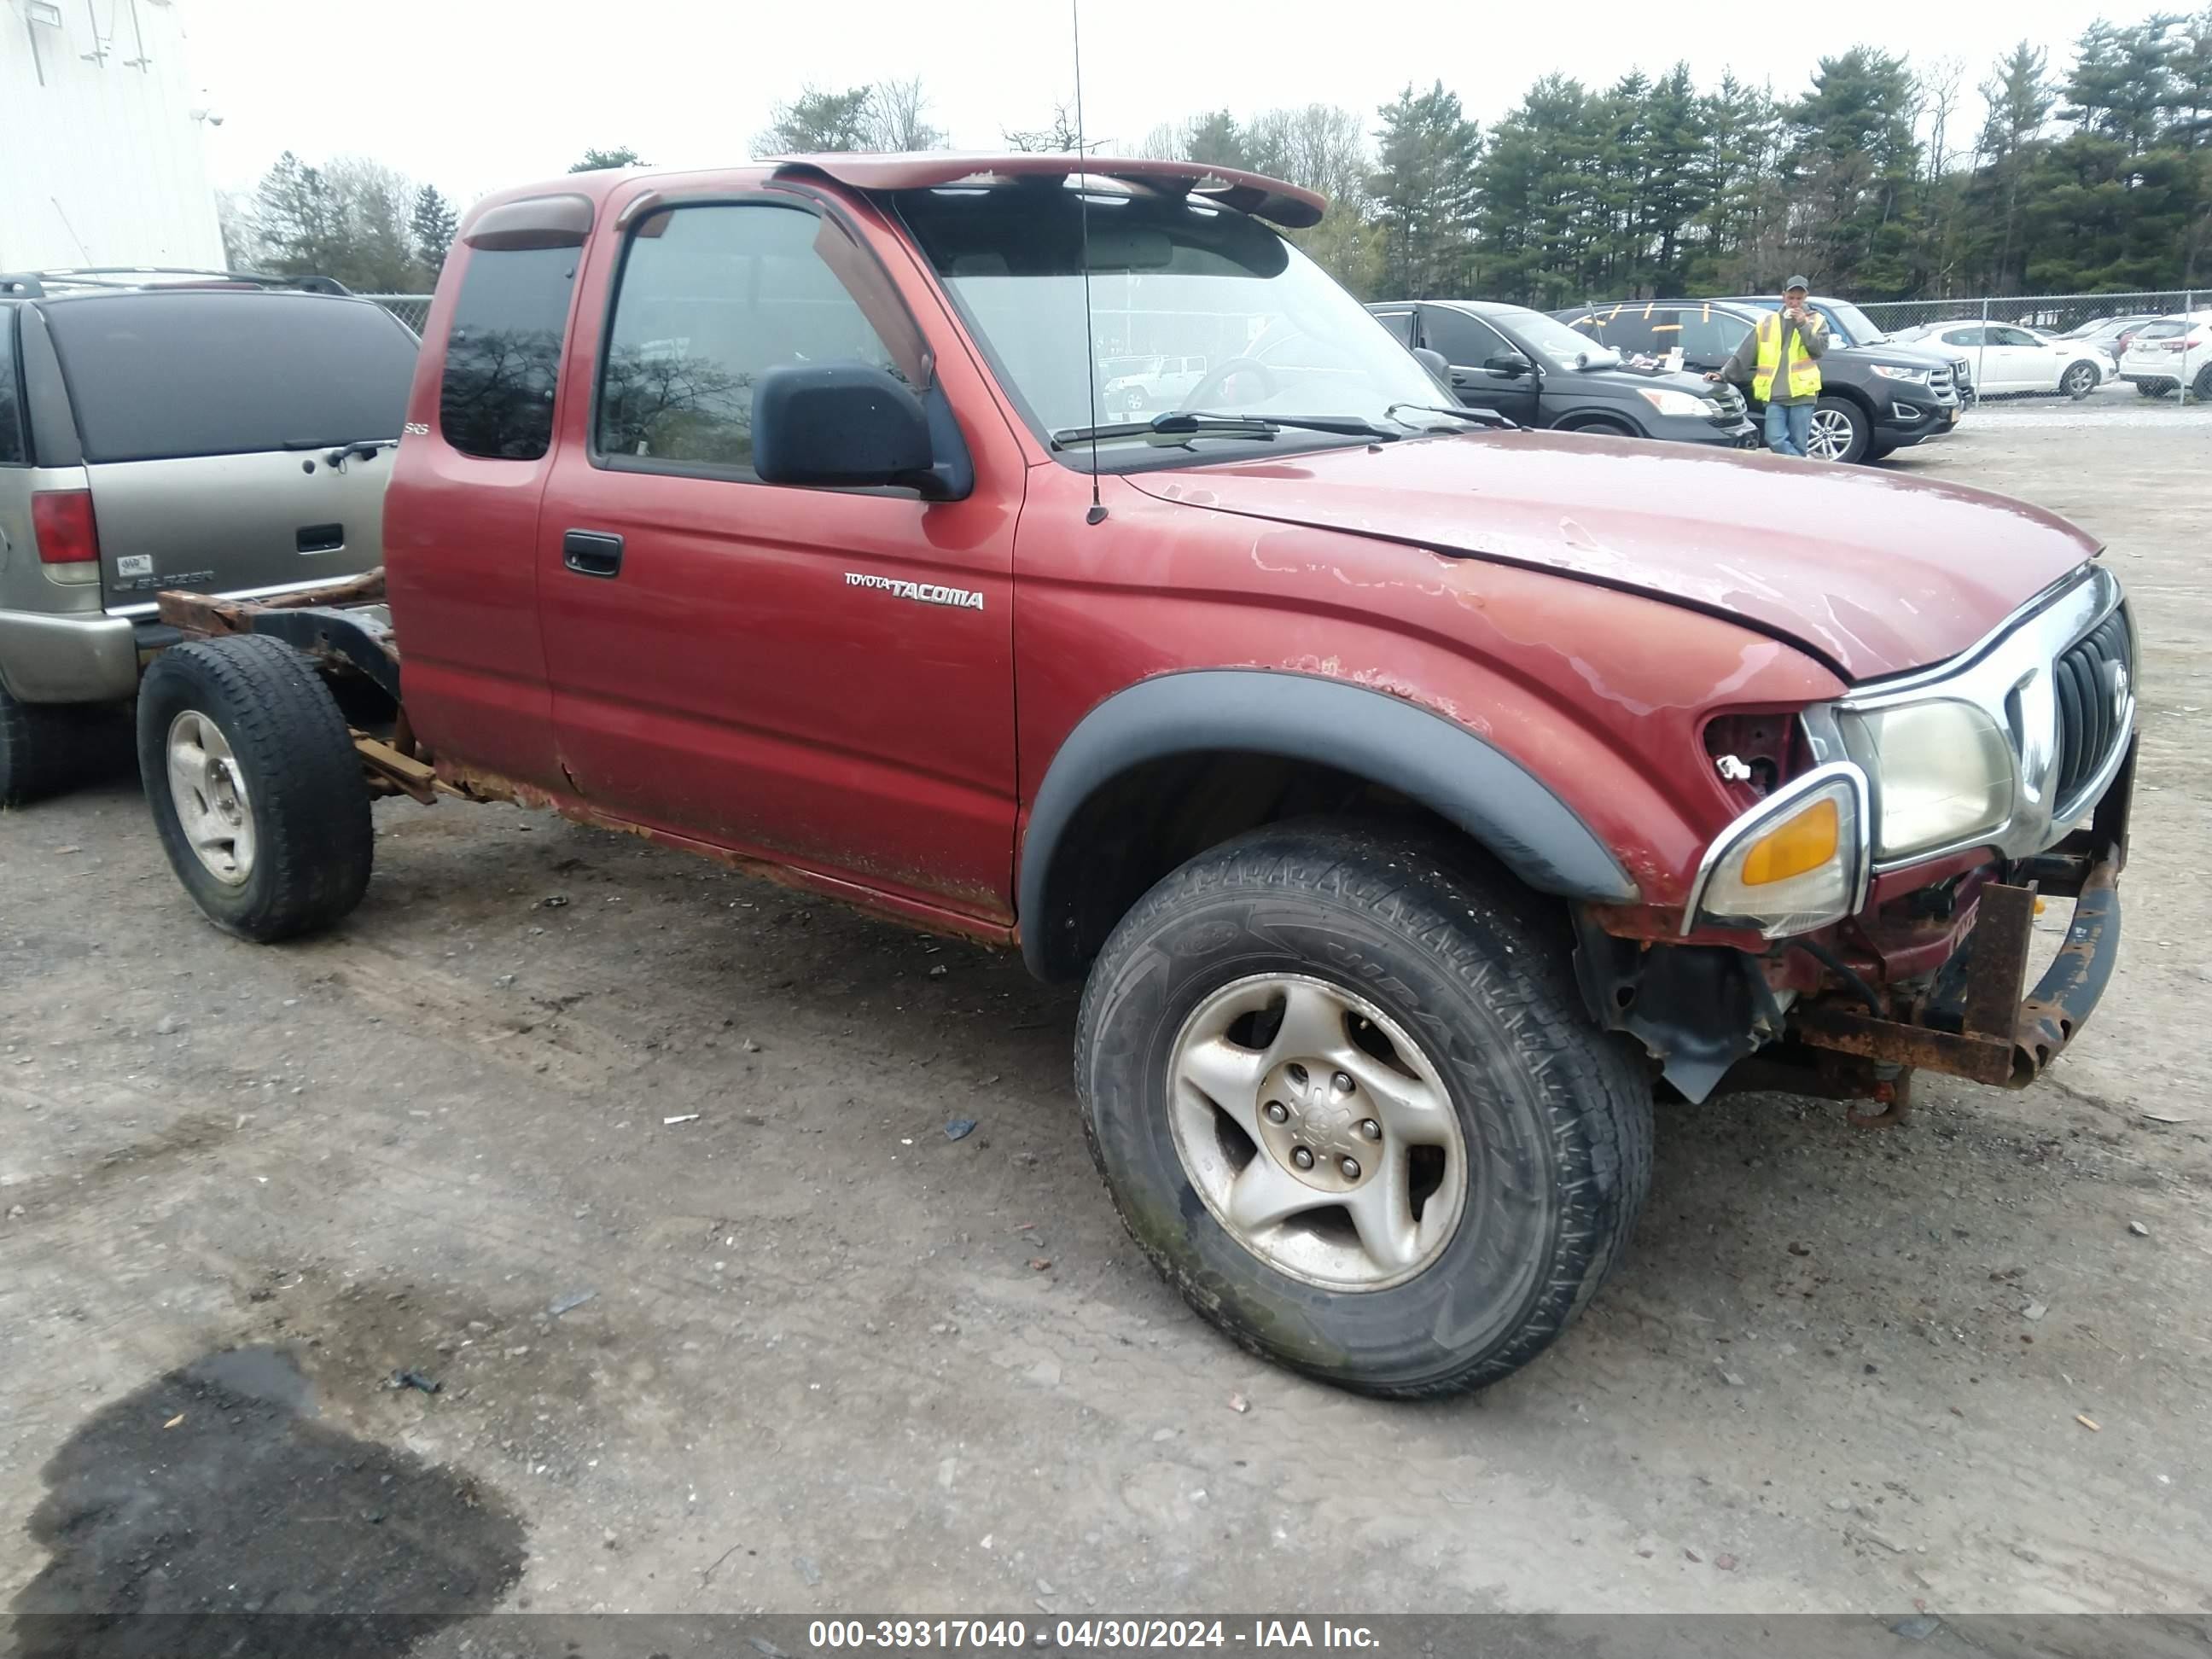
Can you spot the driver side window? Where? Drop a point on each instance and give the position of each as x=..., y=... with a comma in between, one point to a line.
x=709, y=298
x=1465, y=341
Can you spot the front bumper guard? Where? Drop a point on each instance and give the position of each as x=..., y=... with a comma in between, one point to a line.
x=1977, y=1023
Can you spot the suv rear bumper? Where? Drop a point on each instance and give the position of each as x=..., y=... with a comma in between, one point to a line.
x=86, y=658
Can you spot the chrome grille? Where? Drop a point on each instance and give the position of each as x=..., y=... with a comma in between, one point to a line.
x=1940, y=383
x=2091, y=681
x=1729, y=404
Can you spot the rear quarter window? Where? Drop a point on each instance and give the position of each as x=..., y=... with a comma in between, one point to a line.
x=156, y=376
x=503, y=352
x=12, y=446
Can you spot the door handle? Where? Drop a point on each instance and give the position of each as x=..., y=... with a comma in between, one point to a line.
x=592, y=552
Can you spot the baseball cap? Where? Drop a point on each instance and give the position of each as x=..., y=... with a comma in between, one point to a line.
x=1795, y=282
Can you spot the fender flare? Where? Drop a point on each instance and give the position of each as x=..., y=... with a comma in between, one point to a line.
x=1463, y=779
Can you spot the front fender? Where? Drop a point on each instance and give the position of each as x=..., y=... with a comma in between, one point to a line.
x=1371, y=735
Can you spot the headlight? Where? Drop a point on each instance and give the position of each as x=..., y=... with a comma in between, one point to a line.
x=1918, y=376
x=1942, y=771
x=1795, y=862
x=1674, y=402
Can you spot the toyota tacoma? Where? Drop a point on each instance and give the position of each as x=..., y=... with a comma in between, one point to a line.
x=1414, y=796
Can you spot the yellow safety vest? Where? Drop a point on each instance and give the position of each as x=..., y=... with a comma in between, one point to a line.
x=1804, y=373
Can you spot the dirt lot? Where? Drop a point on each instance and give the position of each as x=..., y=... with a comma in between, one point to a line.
x=833, y=1359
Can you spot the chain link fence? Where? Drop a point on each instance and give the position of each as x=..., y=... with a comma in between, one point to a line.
x=412, y=309
x=2148, y=350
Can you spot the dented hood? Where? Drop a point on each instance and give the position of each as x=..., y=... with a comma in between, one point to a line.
x=1871, y=572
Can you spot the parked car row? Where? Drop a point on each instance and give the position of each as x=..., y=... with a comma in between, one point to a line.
x=1875, y=398
x=2010, y=358
x=2169, y=353
x=1535, y=371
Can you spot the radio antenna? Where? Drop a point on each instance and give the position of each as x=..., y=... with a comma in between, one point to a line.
x=1097, y=513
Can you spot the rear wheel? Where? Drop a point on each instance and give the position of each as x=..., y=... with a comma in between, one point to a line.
x=2079, y=381
x=1840, y=431
x=2153, y=388
x=36, y=750
x=256, y=790
x=1347, y=1100
x=2201, y=388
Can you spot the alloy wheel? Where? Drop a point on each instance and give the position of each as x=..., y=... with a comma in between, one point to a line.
x=210, y=793
x=1316, y=1132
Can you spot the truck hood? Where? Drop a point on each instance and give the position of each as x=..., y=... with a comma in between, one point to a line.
x=1872, y=573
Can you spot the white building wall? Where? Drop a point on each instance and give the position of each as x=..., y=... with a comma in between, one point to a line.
x=100, y=161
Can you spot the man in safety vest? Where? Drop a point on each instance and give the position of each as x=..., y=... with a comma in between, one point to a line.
x=1779, y=361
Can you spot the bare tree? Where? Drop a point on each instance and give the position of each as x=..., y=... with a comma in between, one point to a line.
x=897, y=117
x=1057, y=139
x=1939, y=101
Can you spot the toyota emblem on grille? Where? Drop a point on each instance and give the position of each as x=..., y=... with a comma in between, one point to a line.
x=2119, y=691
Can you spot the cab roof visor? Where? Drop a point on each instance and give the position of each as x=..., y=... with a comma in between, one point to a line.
x=1284, y=204
x=533, y=221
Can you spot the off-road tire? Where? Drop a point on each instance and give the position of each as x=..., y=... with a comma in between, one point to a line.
x=308, y=799
x=1557, y=1114
x=38, y=755
x=1861, y=426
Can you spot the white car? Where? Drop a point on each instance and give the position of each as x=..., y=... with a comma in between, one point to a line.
x=2174, y=351
x=1162, y=383
x=2010, y=358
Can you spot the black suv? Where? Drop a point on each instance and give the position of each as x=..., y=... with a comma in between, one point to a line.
x=1535, y=372
x=1849, y=326
x=1873, y=399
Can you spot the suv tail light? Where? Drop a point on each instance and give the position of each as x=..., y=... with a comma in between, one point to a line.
x=68, y=539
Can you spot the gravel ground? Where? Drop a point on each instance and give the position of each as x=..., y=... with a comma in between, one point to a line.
x=814, y=1354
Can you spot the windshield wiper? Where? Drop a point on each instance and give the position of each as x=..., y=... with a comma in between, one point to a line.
x=1480, y=417
x=1179, y=426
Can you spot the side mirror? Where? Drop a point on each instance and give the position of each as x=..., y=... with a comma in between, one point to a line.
x=1434, y=361
x=845, y=426
x=1512, y=367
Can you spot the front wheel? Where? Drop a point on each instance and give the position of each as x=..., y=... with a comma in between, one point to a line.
x=1346, y=1098
x=2079, y=381
x=1840, y=431
x=256, y=790
x=2153, y=388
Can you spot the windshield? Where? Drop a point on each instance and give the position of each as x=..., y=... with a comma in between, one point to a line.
x=1552, y=339
x=1227, y=317
x=1854, y=325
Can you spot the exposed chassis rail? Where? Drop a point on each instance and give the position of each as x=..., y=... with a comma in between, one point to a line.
x=345, y=627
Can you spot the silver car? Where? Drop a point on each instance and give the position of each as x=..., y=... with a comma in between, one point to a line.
x=224, y=437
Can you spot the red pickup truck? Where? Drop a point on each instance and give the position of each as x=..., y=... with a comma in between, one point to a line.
x=1414, y=795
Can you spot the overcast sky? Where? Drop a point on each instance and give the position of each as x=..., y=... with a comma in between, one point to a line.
x=474, y=94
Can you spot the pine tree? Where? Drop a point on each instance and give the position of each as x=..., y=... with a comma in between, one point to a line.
x=432, y=224
x=1424, y=191
x=816, y=122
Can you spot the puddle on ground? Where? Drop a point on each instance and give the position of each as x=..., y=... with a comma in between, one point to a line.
x=214, y=1491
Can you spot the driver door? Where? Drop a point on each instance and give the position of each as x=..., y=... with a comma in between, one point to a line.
x=1470, y=345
